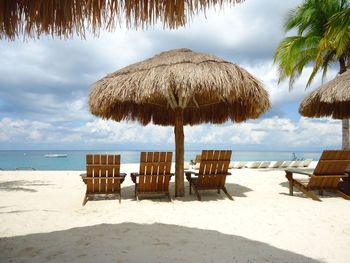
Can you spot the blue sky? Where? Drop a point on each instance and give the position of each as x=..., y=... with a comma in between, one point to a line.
x=44, y=84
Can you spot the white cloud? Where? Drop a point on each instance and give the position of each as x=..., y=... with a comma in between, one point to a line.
x=44, y=83
x=272, y=133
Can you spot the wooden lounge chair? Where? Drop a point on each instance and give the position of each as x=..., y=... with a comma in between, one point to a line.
x=212, y=173
x=102, y=176
x=326, y=176
x=154, y=175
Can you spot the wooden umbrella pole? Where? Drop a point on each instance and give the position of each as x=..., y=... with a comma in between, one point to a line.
x=345, y=134
x=179, y=153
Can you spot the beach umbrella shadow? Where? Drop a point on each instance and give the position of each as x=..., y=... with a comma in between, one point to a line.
x=130, y=242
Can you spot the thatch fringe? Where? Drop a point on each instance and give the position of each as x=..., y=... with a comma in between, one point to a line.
x=65, y=18
x=209, y=89
x=331, y=99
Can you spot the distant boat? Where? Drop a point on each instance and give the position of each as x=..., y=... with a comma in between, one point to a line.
x=56, y=155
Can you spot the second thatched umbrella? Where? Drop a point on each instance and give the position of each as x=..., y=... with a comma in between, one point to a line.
x=177, y=88
x=331, y=99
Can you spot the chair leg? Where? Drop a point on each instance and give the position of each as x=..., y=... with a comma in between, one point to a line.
x=320, y=192
x=85, y=199
x=341, y=194
x=120, y=198
x=190, y=188
x=308, y=193
x=197, y=193
x=218, y=191
x=227, y=194
x=168, y=195
x=289, y=176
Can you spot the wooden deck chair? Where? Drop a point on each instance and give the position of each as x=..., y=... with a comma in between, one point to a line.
x=102, y=176
x=326, y=176
x=212, y=173
x=154, y=175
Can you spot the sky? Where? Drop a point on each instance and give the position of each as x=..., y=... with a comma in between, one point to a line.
x=44, y=85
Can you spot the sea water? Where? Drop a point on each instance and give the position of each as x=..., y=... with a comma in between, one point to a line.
x=75, y=160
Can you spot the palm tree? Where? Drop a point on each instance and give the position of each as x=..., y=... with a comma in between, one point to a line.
x=323, y=38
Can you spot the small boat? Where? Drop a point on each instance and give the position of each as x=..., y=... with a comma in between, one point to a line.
x=56, y=155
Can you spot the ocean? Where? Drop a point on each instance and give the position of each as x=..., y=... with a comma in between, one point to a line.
x=75, y=160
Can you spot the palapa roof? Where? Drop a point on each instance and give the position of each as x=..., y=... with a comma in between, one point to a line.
x=208, y=88
x=66, y=17
x=330, y=99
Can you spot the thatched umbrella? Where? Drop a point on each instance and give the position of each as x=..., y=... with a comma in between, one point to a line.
x=331, y=99
x=177, y=88
x=65, y=17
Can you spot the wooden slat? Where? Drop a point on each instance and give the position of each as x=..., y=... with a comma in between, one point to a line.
x=89, y=173
x=104, y=172
x=154, y=172
x=213, y=168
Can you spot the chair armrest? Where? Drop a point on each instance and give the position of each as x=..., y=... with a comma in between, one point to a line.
x=298, y=171
x=190, y=172
x=134, y=176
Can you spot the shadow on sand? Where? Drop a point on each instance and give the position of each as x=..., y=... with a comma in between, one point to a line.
x=235, y=190
x=130, y=242
x=21, y=185
x=297, y=193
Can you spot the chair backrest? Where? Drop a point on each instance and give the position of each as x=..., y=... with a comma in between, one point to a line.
x=154, y=174
x=332, y=162
x=324, y=182
x=213, y=168
x=103, y=165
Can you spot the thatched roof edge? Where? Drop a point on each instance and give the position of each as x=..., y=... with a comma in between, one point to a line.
x=64, y=18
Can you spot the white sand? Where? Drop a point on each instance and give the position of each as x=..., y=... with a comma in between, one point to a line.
x=42, y=220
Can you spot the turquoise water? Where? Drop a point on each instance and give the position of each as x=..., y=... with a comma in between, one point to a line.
x=10, y=160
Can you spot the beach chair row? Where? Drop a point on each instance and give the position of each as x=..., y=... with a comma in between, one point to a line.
x=270, y=164
x=257, y=164
x=103, y=176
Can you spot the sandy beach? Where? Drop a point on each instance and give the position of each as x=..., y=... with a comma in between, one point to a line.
x=42, y=220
